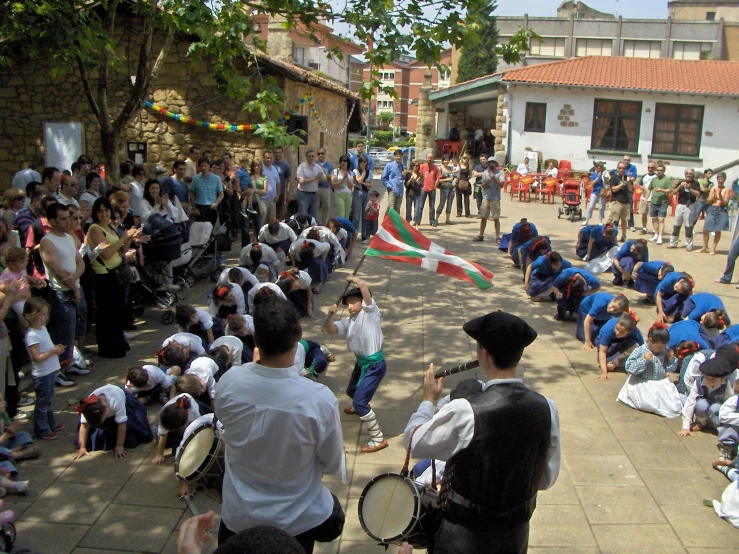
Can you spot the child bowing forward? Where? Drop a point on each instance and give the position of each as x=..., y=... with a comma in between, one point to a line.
x=648, y=389
x=364, y=340
x=111, y=418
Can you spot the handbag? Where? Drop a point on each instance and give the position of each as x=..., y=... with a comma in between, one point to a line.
x=124, y=273
x=463, y=184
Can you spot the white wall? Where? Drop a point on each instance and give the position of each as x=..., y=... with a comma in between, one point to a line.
x=719, y=138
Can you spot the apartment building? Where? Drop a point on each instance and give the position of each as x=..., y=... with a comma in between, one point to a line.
x=406, y=76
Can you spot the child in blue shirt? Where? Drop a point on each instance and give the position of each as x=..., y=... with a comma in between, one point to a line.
x=594, y=311
x=570, y=287
x=728, y=336
x=671, y=294
x=647, y=275
x=615, y=342
x=631, y=253
x=700, y=304
x=541, y=273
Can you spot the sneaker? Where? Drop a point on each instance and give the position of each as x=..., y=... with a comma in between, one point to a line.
x=365, y=241
x=58, y=427
x=725, y=452
x=31, y=453
x=316, y=289
x=632, y=229
x=52, y=436
x=583, y=224
x=26, y=401
x=644, y=231
x=20, y=416
x=671, y=245
x=622, y=239
x=655, y=237
x=63, y=381
x=659, y=240
x=128, y=336
x=77, y=370
x=251, y=211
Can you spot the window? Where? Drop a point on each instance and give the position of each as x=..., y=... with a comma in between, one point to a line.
x=594, y=47
x=299, y=55
x=642, y=48
x=384, y=104
x=710, y=16
x=536, y=117
x=387, y=75
x=677, y=130
x=691, y=50
x=616, y=125
x=549, y=46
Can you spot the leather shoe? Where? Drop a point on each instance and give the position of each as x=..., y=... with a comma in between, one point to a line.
x=367, y=449
x=350, y=410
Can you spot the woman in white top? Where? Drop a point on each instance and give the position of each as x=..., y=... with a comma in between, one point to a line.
x=156, y=202
x=92, y=193
x=342, y=185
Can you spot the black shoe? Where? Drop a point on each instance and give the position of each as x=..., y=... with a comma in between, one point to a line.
x=112, y=354
x=130, y=327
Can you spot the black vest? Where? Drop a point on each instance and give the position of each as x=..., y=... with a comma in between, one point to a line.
x=498, y=474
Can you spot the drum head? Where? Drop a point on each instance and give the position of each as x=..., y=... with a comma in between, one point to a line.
x=387, y=507
x=195, y=451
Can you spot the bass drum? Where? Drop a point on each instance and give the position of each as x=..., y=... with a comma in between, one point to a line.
x=201, y=459
x=394, y=509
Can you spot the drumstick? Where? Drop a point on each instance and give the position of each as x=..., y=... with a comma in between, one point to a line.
x=343, y=468
x=346, y=288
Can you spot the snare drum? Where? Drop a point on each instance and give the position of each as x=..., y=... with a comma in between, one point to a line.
x=394, y=509
x=200, y=459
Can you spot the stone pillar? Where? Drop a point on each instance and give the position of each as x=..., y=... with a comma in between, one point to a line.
x=426, y=122
x=500, y=132
x=279, y=43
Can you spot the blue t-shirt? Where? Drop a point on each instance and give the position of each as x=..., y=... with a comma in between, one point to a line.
x=285, y=172
x=652, y=268
x=667, y=285
x=596, y=306
x=596, y=233
x=516, y=235
x=608, y=334
x=543, y=268
x=625, y=250
x=568, y=274
x=173, y=187
x=354, y=160
x=244, y=178
x=686, y=330
x=732, y=333
x=523, y=250
x=347, y=225
x=704, y=302
x=596, y=182
x=206, y=189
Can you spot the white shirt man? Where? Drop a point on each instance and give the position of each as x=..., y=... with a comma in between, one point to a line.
x=523, y=168
x=282, y=434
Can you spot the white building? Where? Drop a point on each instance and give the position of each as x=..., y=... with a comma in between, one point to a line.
x=684, y=113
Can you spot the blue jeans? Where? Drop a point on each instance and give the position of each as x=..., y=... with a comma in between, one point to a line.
x=431, y=195
x=411, y=205
x=66, y=314
x=43, y=412
x=591, y=204
x=308, y=203
x=478, y=200
x=21, y=438
x=358, y=219
x=446, y=196
x=731, y=261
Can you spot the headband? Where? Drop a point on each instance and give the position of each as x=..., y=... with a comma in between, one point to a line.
x=287, y=274
x=658, y=325
x=86, y=403
x=256, y=246
x=633, y=316
x=222, y=290
x=689, y=348
x=571, y=282
x=181, y=402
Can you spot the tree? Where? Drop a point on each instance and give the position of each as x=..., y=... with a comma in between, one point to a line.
x=80, y=36
x=482, y=58
x=384, y=119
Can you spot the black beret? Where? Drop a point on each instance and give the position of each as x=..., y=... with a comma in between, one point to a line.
x=499, y=331
x=353, y=291
x=730, y=353
x=466, y=388
x=716, y=367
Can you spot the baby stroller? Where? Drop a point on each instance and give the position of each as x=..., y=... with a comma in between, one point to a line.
x=145, y=291
x=205, y=242
x=571, y=199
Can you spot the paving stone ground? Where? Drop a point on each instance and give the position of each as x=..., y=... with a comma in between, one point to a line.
x=628, y=483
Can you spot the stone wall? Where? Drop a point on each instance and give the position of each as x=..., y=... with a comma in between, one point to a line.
x=501, y=126
x=31, y=96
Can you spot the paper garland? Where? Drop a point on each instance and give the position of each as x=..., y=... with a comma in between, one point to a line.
x=252, y=127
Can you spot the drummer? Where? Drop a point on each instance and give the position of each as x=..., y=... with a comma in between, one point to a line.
x=283, y=434
x=501, y=445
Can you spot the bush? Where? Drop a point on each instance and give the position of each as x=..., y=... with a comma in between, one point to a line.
x=385, y=136
x=404, y=143
x=380, y=143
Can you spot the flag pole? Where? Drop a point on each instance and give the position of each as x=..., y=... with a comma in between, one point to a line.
x=346, y=288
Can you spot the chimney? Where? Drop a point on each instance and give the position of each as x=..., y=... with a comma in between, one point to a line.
x=279, y=43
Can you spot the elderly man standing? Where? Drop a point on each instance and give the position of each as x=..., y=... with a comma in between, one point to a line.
x=393, y=178
x=620, y=187
x=324, y=186
x=492, y=183
x=309, y=174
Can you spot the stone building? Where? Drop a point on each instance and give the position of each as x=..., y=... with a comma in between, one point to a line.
x=36, y=100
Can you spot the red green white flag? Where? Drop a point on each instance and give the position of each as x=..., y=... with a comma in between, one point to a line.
x=396, y=240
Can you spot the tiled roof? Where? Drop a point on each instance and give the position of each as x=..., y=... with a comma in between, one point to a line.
x=662, y=75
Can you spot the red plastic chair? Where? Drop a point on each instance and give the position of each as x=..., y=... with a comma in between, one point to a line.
x=550, y=189
x=565, y=169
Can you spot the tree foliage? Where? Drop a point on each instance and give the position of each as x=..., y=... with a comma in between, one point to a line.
x=81, y=36
x=384, y=119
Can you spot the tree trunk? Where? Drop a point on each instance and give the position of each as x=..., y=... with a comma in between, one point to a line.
x=111, y=142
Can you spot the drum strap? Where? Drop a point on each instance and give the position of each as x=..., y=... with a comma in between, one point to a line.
x=404, y=471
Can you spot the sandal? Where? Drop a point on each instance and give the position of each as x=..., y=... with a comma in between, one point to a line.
x=478, y=239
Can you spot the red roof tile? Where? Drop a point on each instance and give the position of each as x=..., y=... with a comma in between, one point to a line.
x=663, y=75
